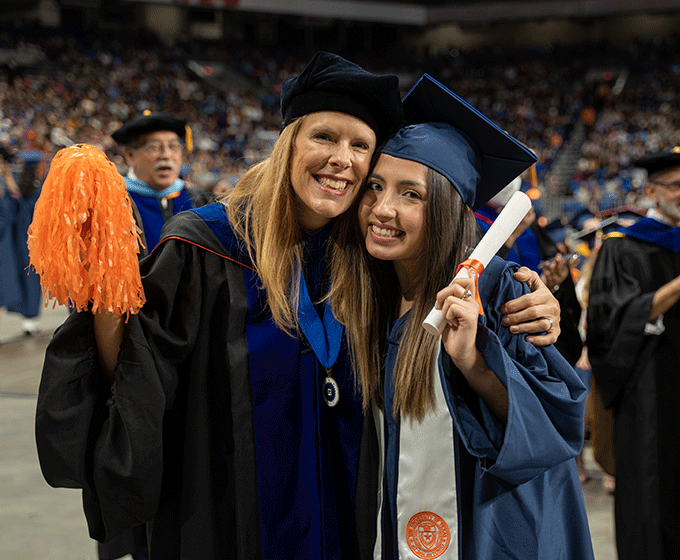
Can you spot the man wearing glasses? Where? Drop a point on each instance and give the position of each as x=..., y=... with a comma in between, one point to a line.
x=633, y=340
x=153, y=146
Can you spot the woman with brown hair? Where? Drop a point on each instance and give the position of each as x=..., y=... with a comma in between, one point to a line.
x=478, y=428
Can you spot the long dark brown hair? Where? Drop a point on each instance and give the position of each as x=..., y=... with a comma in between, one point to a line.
x=366, y=293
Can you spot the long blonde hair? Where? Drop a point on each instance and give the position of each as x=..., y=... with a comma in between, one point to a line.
x=365, y=293
x=261, y=209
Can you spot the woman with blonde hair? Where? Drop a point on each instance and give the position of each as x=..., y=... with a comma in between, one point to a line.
x=204, y=416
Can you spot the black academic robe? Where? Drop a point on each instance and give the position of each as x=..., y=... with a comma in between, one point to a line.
x=637, y=374
x=183, y=438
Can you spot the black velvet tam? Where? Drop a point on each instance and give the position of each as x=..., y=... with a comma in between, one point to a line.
x=661, y=161
x=331, y=83
x=146, y=124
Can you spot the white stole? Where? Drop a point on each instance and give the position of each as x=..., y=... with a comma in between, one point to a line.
x=427, y=508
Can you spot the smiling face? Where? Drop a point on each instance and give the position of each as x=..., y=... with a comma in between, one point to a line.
x=331, y=157
x=157, y=160
x=393, y=210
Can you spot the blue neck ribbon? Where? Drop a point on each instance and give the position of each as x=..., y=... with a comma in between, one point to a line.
x=324, y=337
x=139, y=187
x=652, y=231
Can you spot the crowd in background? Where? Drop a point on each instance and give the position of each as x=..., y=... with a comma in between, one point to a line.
x=536, y=94
x=60, y=88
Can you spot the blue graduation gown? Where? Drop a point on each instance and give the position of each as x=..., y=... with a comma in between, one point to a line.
x=517, y=487
x=215, y=432
x=20, y=290
x=10, y=292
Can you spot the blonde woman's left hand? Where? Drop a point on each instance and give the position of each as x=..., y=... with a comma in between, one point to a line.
x=534, y=313
x=460, y=310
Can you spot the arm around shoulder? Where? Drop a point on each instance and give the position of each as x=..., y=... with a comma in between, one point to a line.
x=546, y=399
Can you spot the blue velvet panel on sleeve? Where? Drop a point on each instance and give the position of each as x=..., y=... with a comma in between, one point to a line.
x=519, y=480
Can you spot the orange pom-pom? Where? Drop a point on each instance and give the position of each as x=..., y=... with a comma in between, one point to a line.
x=83, y=240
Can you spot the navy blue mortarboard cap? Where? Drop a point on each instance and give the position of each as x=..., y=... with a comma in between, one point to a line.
x=447, y=134
x=655, y=163
x=331, y=83
x=146, y=124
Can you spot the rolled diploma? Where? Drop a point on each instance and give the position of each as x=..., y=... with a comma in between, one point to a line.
x=506, y=222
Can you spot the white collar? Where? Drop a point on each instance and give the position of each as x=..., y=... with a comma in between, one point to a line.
x=654, y=214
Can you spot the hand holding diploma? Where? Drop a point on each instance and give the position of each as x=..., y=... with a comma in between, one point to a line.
x=513, y=213
x=460, y=311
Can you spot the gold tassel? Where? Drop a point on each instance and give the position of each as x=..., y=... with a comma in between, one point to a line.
x=188, y=138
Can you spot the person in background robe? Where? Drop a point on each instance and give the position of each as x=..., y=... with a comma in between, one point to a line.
x=21, y=176
x=478, y=428
x=9, y=192
x=225, y=414
x=153, y=147
x=633, y=340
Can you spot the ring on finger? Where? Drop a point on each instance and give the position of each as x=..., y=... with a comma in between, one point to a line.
x=466, y=294
x=551, y=323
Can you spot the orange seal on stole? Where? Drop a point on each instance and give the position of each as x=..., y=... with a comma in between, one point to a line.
x=427, y=535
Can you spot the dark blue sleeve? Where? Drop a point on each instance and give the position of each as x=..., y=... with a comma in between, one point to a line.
x=546, y=396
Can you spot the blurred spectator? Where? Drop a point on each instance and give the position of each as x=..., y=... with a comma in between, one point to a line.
x=21, y=292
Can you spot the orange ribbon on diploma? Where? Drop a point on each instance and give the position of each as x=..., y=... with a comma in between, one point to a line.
x=474, y=269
